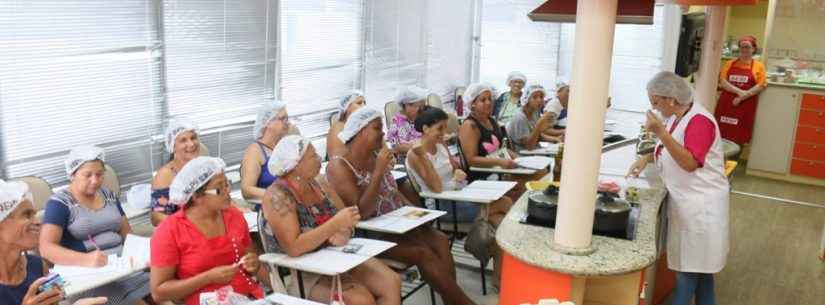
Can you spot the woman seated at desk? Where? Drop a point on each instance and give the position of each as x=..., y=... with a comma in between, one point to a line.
x=528, y=127
x=361, y=178
x=401, y=133
x=299, y=211
x=183, y=143
x=557, y=107
x=348, y=105
x=205, y=245
x=507, y=104
x=84, y=223
x=271, y=124
x=481, y=140
x=21, y=274
x=432, y=168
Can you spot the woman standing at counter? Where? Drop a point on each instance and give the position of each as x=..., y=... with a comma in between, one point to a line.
x=690, y=161
x=742, y=79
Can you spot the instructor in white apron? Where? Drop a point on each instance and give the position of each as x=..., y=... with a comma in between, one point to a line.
x=690, y=161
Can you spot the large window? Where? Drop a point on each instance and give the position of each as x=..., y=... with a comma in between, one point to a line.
x=110, y=73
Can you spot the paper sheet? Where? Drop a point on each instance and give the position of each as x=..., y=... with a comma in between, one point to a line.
x=401, y=220
x=534, y=162
x=251, y=221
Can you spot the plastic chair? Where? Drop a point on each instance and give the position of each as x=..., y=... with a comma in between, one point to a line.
x=110, y=180
x=390, y=109
x=434, y=100
x=41, y=190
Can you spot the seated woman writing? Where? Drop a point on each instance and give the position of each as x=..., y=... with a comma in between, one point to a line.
x=361, y=177
x=299, y=211
x=205, y=245
x=84, y=224
x=435, y=171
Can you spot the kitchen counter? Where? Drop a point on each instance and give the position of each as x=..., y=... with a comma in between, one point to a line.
x=798, y=86
x=533, y=244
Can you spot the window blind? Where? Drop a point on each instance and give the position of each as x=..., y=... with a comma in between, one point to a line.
x=510, y=41
x=220, y=57
x=321, y=58
x=449, y=45
x=76, y=72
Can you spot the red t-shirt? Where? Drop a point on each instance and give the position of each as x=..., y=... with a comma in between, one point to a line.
x=178, y=242
x=699, y=136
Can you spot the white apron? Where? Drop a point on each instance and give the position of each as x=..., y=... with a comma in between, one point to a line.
x=697, y=208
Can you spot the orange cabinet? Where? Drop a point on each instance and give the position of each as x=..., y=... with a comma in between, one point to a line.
x=813, y=101
x=812, y=117
x=814, y=135
x=808, y=168
x=808, y=151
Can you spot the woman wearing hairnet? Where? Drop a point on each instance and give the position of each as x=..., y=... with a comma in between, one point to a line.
x=741, y=79
x=299, y=210
x=182, y=142
x=84, y=223
x=21, y=273
x=348, y=105
x=271, y=124
x=690, y=161
x=557, y=107
x=401, y=133
x=528, y=127
x=507, y=104
x=361, y=178
x=205, y=245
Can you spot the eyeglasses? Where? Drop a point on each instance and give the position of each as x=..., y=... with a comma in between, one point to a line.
x=220, y=191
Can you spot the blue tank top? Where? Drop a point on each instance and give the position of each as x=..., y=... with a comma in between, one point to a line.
x=562, y=114
x=15, y=294
x=266, y=178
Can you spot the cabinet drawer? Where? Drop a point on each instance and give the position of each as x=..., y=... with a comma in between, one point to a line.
x=812, y=117
x=807, y=151
x=814, y=135
x=808, y=168
x=813, y=101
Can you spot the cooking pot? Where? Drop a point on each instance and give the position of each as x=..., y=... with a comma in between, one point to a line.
x=612, y=213
x=542, y=206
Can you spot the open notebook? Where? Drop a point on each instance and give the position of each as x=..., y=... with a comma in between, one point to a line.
x=480, y=191
x=332, y=260
x=134, y=257
x=400, y=221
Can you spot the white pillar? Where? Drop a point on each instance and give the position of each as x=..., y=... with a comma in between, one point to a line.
x=589, y=85
x=711, y=61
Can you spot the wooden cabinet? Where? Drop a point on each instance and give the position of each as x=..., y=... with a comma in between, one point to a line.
x=808, y=154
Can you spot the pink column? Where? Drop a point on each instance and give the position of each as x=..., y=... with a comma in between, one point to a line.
x=709, y=65
x=589, y=85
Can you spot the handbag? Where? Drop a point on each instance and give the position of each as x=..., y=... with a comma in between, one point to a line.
x=481, y=239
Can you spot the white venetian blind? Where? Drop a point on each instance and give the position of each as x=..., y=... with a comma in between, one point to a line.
x=76, y=72
x=220, y=57
x=322, y=57
x=510, y=41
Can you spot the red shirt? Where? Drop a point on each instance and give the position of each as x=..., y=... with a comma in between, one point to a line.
x=699, y=136
x=178, y=242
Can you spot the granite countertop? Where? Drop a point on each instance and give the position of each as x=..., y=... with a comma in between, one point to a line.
x=798, y=86
x=613, y=256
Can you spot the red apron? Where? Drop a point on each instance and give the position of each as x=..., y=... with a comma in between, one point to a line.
x=736, y=122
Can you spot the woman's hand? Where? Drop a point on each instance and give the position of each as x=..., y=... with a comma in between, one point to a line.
x=653, y=124
x=92, y=301
x=96, y=259
x=637, y=167
x=346, y=218
x=250, y=263
x=384, y=161
x=222, y=274
x=459, y=175
x=507, y=163
x=340, y=238
x=48, y=297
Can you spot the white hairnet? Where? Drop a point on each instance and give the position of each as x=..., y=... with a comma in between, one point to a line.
x=347, y=100
x=80, y=155
x=668, y=84
x=529, y=91
x=561, y=83
x=194, y=175
x=12, y=193
x=516, y=75
x=357, y=121
x=174, y=128
x=265, y=114
x=474, y=90
x=411, y=94
x=286, y=154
